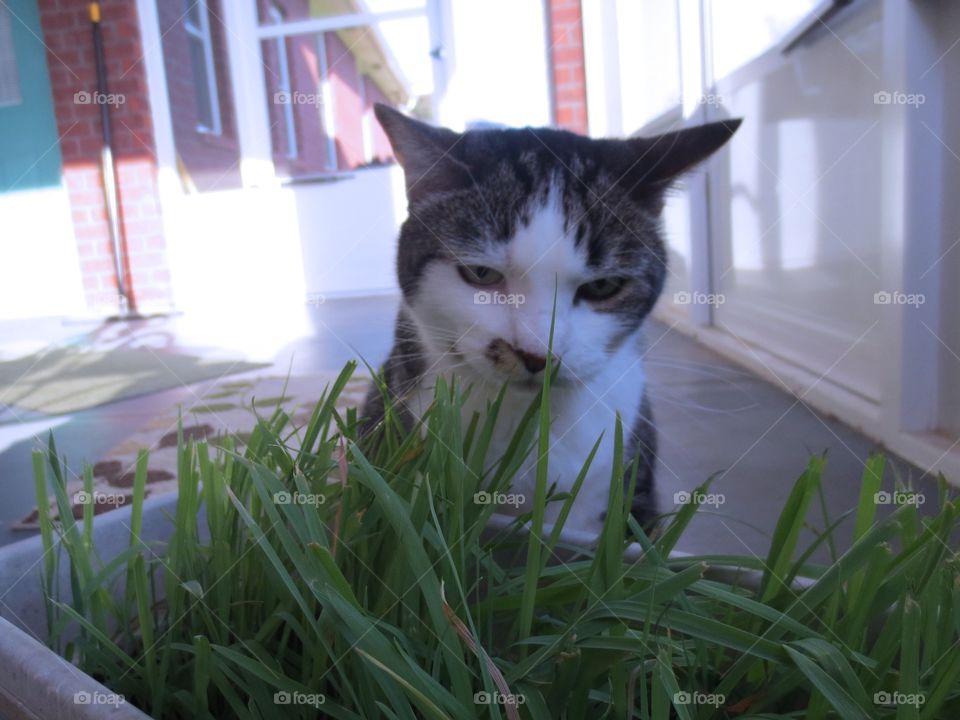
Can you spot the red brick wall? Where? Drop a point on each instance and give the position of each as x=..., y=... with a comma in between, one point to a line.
x=346, y=86
x=212, y=161
x=70, y=58
x=567, y=66
x=372, y=94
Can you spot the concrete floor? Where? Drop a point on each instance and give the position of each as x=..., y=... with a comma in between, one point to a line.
x=714, y=419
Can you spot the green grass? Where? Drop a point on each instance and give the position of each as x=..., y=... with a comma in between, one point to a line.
x=383, y=595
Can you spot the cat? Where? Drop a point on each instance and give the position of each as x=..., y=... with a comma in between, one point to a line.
x=503, y=226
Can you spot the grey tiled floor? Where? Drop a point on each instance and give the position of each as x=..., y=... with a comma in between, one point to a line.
x=714, y=419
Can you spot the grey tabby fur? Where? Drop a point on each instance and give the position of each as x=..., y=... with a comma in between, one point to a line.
x=468, y=189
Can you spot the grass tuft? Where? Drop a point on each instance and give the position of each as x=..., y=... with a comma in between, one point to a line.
x=321, y=574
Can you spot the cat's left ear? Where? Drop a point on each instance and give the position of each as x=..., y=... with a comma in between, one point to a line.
x=656, y=162
x=424, y=152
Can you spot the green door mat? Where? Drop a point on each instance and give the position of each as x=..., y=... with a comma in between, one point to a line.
x=63, y=380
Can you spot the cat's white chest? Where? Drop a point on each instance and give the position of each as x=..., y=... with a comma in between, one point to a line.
x=581, y=413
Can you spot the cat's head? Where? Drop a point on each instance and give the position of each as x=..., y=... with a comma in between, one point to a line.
x=503, y=224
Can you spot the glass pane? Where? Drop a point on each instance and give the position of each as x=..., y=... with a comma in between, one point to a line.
x=270, y=12
x=321, y=89
x=201, y=88
x=192, y=10
x=649, y=55
x=745, y=29
x=798, y=248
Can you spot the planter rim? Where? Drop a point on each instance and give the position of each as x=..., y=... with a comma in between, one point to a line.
x=38, y=684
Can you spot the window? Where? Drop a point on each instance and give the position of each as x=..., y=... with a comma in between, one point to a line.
x=284, y=88
x=196, y=22
x=649, y=61
x=9, y=79
x=324, y=71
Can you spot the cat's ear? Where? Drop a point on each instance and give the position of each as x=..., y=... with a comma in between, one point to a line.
x=424, y=152
x=656, y=162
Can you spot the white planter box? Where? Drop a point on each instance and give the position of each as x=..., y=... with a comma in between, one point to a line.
x=37, y=684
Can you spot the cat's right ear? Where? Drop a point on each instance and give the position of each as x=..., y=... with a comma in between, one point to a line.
x=424, y=152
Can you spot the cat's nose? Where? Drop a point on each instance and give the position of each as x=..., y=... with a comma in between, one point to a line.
x=532, y=362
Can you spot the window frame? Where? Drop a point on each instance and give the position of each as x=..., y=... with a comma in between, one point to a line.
x=283, y=60
x=279, y=29
x=202, y=35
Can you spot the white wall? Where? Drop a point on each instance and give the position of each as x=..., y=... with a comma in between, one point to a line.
x=241, y=250
x=36, y=233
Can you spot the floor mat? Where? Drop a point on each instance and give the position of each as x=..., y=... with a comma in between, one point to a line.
x=228, y=407
x=66, y=379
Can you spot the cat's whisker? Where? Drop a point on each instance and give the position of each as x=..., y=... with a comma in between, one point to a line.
x=697, y=406
x=692, y=365
x=437, y=332
x=716, y=376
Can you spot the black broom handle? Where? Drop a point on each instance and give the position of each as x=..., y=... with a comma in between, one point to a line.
x=109, y=171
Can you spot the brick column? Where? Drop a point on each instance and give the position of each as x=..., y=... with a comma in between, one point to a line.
x=71, y=62
x=567, y=66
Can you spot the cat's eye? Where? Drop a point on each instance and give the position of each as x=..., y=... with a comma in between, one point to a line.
x=479, y=275
x=600, y=289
